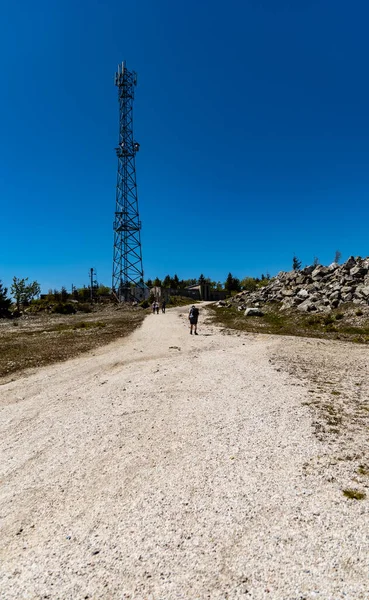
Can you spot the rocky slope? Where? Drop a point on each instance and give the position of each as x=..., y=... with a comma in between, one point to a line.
x=315, y=288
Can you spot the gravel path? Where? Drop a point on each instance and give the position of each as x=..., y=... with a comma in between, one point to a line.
x=173, y=466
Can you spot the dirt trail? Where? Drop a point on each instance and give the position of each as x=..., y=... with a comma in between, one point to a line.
x=171, y=466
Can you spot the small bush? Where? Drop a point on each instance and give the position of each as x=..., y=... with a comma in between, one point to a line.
x=64, y=308
x=328, y=320
x=84, y=307
x=354, y=494
x=359, y=312
x=339, y=316
x=363, y=470
x=312, y=321
x=145, y=304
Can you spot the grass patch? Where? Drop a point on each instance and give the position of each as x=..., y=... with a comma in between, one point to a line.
x=76, y=326
x=291, y=322
x=354, y=494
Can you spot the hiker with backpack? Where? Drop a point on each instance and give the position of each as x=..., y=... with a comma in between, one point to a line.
x=193, y=315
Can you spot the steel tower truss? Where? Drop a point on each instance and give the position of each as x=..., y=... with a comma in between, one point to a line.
x=127, y=258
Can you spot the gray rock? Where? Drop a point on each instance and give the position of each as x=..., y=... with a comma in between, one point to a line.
x=288, y=303
x=347, y=297
x=350, y=262
x=253, y=312
x=318, y=273
x=358, y=272
x=365, y=292
x=308, y=270
x=335, y=295
x=333, y=266
x=306, y=306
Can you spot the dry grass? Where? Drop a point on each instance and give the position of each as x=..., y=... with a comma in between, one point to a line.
x=38, y=340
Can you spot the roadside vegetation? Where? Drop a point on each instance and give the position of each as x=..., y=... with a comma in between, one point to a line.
x=348, y=323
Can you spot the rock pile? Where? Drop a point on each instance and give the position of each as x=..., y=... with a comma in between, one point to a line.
x=315, y=288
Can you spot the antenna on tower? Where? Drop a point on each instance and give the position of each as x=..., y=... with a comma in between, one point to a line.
x=127, y=253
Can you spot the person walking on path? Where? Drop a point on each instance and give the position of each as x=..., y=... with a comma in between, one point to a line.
x=157, y=307
x=163, y=305
x=193, y=316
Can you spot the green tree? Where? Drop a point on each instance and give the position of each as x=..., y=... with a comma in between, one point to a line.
x=296, y=263
x=202, y=279
x=232, y=284
x=167, y=281
x=157, y=282
x=249, y=284
x=5, y=302
x=22, y=292
x=149, y=283
x=83, y=294
x=103, y=290
x=188, y=282
x=64, y=294
x=175, y=283
x=337, y=256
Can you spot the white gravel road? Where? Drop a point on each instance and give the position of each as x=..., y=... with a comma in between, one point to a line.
x=169, y=466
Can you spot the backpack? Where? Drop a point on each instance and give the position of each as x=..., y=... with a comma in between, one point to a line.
x=194, y=312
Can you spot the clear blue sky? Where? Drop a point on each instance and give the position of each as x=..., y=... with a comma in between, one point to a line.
x=252, y=117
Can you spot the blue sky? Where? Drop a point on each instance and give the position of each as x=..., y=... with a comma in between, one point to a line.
x=252, y=118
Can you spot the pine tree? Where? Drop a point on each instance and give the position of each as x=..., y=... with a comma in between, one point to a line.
x=232, y=284
x=167, y=281
x=296, y=263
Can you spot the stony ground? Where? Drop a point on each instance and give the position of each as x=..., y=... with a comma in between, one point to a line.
x=167, y=466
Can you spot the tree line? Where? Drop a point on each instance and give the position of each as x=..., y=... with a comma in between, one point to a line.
x=24, y=292
x=231, y=284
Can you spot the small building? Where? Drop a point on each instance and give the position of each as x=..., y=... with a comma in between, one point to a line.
x=200, y=291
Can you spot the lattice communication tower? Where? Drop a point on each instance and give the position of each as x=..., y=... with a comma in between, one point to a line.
x=127, y=255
